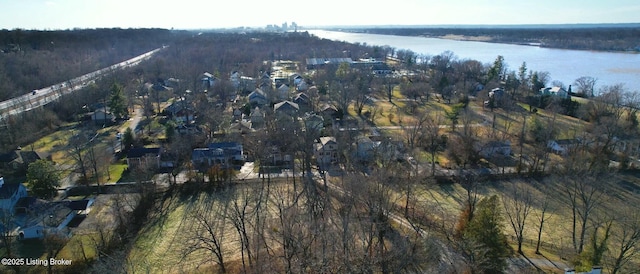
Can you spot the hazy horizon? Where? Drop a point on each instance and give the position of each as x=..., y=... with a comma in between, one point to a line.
x=196, y=14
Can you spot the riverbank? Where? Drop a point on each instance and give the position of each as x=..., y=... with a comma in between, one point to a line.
x=603, y=38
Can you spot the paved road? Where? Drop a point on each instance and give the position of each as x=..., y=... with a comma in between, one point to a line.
x=44, y=96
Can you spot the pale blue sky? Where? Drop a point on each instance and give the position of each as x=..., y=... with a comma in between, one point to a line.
x=190, y=14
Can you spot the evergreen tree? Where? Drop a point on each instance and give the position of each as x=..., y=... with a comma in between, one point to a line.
x=127, y=139
x=117, y=102
x=486, y=229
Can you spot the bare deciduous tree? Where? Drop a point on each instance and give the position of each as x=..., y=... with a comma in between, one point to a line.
x=582, y=194
x=625, y=241
x=517, y=206
x=207, y=231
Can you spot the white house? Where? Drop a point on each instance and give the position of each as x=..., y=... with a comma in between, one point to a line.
x=54, y=219
x=102, y=115
x=10, y=194
x=555, y=91
x=326, y=151
x=563, y=146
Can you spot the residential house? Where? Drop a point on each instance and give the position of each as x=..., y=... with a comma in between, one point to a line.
x=173, y=83
x=328, y=111
x=181, y=112
x=265, y=80
x=19, y=160
x=365, y=148
x=53, y=218
x=286, y=107
x=257, y=118
x=326, y=151
x=188, y=129
x=234, y=78
x=143, y=158
x=258, y=97
x=368, y=148
x=246, y=84
x=303, y=101
x=313, y=122
x=226, y=154
x=241, y=127
x=381, y=69
x=302, y=86
x=277, y=157
x=555, y=91
x=317, y=63
x=279, y=78
x=282, y=92
x=208, y=80
x=102, y=115
x=563, y=146
x=296, y=79
x=10, y=193
x=495, y=148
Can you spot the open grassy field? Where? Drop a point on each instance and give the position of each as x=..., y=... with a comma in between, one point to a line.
x=162, y=244
x=619, y=192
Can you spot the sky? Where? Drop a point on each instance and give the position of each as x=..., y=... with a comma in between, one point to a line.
x=199, y=14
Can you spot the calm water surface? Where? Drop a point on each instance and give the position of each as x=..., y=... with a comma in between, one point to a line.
x=563, y=65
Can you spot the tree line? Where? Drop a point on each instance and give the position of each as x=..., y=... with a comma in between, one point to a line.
x=603, y=38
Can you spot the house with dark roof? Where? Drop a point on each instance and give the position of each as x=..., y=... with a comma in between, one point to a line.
x=19, y=160
x=258, y=97
x=143, y=157
x=181, y=112
x=226, y=154
x=52, y=218
x=282, y=92
x=286, y=107
x=303, y=100
x=10, y=193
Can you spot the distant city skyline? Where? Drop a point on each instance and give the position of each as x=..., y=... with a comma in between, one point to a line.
x=197, y=14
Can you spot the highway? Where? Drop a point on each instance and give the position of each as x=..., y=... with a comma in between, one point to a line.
x=44, y=96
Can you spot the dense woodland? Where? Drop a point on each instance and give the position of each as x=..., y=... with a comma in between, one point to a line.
x=603, y=38
x=34, y=59
x=381, y=215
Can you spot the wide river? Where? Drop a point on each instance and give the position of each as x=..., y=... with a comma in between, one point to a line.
x=563, y=65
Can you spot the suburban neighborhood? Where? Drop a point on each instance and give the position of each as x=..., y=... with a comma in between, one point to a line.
x=271, y=152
